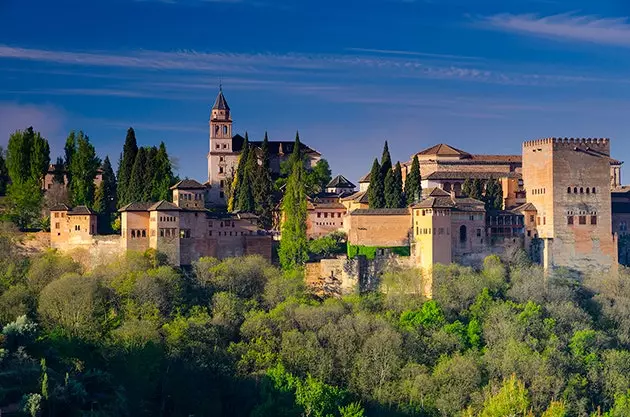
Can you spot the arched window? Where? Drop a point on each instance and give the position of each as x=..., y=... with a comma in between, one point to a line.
x=574, y=190
x=588, y=190
x=593, y=190
x=568, y=190
x=447, y=186
x=216, y=130
x=457, y=187
x=225, y=130
x=581, y=190
x=463, y=234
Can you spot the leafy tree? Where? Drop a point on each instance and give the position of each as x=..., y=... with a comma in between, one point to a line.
x=125, y=167
x=263, y=188
x=40, y=157
x=376, y=189
x=293, y=250
x=70, y=148
x=24, y=202
x=59, y=173
x=246, y=193
x=393, y=188
x=413, y=182
x=105, y=198
x=163, y=177
x=511, y=400
x=493, y=197
x=84, y=167
x=4, y=173
x=467, y=187
x=19, y=153
x=386, y=161
x=474, y=189
x=328, y=245
x=319, y=176
x=240, y=177
x=138, y=179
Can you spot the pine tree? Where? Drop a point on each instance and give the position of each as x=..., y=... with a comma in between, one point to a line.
x=467, y=188
x=246, y=201
x=393, y=188
x=376, y=190
x=293, y=251
x=105, y=198
x=386, y=161
x=19, y=153
x=493, y=197
x=40, y=157
x=150, y=172
x=477, y=189
x=163, y=177
x=127, y=161
x=136, y=184
x=84, y=167
x=70, y=148
x=4, y=173
x=240, y=175
x=413, y=187
x=59, y=173
x=264, y=188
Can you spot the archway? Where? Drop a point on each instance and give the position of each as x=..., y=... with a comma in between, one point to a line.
x=463, y=235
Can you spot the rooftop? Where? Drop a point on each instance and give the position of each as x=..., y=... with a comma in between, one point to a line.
x=220, y=103
x=188, y=184
x=340, y=182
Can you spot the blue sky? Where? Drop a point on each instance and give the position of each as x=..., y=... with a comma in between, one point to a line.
x=481, y=75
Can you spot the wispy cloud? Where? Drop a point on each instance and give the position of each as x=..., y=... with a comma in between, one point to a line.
x=413, y=53
x=568, y=26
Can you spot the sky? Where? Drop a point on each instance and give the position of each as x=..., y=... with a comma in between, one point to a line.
x=481, y=75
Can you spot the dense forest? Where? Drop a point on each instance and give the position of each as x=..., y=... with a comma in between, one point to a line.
x=240, y=337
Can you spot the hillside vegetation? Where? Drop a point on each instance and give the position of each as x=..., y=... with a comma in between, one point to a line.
x=241, y=338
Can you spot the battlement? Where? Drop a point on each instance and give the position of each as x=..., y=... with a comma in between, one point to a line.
x=591, y=142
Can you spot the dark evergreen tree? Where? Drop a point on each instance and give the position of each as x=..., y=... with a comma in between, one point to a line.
x=59, y=173
x=477, y=189
x=163, y=177
x=376, y=190
x=137, y=179
x=264, y=188
x=246, y=202
x=413, y=187
x=293, y=251
x=467, y=188
x=84, y=167
x=386, y=161
x=40, y=157
x=393, y=188
x=150, y=172
x=240, y=175
x=493, y=197
x=19, y=152
x=70, y=149
x=127, y=161
x=4, y=173
x=105, y=198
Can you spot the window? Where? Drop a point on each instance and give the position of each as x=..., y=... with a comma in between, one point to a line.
x=581, y=190
x=221, y=159
x=529, y=233
x=319, y=215
x=569, y=190
x=582, y=219
x=218, y=146
x=531, y=218
x=210, y=232
x=570, y=220
x=56, y=225
x=544, y=220
x=233, y=224
x=209, y=224
x=574, y=190
x=593, y=190
x=220, y=170
x=472, y=217
x=593, y=219
x=144, y=233
x=478, y=232
x=325, y=215
x=56, y=215
x=588, y=190
x=538, y=220
x=184, y=233
x=224, y=146
x=133, y=233
x=338, y=214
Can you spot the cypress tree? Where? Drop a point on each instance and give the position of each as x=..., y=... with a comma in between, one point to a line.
x=493, y=197
x=393, y=188
x=40, y=157
x=4, y=173
x=293, y=251
x=19, y=152
x=70, y=149
x=240, y=175
x=127, y=161
x=467, y=188
x=84, y=167
x=413, y=187
x=264, y=188
x=376, y=190
x=105, y=198
x=136, y=184
x=59, y=174
x=163, y=177
x=386, y=161
x=150, y=172
x=477, y=189
x=246, y=201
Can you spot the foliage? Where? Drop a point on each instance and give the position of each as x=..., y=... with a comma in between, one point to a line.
x=493, y=196
x=238, y=195
x=105, y=198
x=263, y=188
x=370, y=251
x=125, y=166
x=393, y=188
x=386, y=161
x=413, y=182
x=376, y=189
x=331, y=244
x=83, y=168
x=24, y=203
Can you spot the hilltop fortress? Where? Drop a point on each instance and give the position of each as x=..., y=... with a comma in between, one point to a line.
x=557, y=206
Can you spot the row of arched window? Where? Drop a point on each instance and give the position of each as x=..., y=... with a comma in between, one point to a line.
x=581, y=190
x=537, y=191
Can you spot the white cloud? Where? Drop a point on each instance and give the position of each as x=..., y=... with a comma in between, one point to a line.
x=568, y=26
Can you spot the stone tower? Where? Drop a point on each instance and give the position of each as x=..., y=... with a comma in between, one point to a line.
x=221, y=158
x=568, y=181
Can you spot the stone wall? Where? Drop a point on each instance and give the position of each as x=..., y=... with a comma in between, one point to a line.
x=382, y=230
x=94, y=252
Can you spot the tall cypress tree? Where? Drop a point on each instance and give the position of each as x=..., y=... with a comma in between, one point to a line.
x=467, y=187
x=84, y=167
x=240, y=175
x=264, y=188
x=413, y=183
x=137, y=179
x=246, y=200
x=70, y=148
x=493, y=197
x=40, y=157
x=59, y=173
x=386, y=161
x=105, y=198
x=150, y=171
x=19, y=152
x=477, y=189
x=127, y=161
x=293, y=251
x=163, y=177
x=376, y=190
x=393, y=188
x=4, y=173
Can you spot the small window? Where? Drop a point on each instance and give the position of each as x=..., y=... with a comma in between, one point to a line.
x=529, y=233
x=319, y=215
x=575, y=190
x=582, y=219
x=218, y=146
x=593, y=219
x=581, y=190
x=570, y=220
x=56, y=225
x=593, y=190
x=568, y=190
x=133, y=234
x=531, y=218
x=144, y=233
x=210, y=232
x=478, y=232
x=588, y=190
x=544, y=220
x=220, y=170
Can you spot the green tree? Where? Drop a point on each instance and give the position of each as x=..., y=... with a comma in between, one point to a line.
x=493, y=197
x=511, y=400
x=246, y=191
x=319, y=177
x=24, y=202
x=70, y=148
x=376, y=189
x=386, y=161
x=19, y=153
x=84, y=167
x=393, y=188
x=413, y=182
x=138, y=177
x=125, y=167
x=476, y=189
x=467, y=187
x=293, y=250
x=59, y=174
x=105, y=198
x=163, y=177
x=240, y=179
x=263, y=188
x=4, y=173
x=40, y=157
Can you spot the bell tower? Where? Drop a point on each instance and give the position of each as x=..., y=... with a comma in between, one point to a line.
x=221, y=158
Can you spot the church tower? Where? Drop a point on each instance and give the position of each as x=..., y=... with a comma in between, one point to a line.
x=221, y=159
